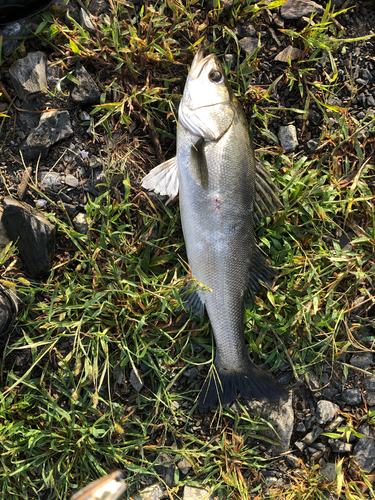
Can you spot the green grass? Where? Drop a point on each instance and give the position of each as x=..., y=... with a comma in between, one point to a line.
x=68, y=413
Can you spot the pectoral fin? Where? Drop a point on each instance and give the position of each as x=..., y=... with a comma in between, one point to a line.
x=163, y=179
x=210, y=122
x=198, y=163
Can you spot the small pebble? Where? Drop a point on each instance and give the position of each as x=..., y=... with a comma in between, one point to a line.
x=351, y=396
x=41, y=203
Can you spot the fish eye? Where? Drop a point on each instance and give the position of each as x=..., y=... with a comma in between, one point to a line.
x=215, y=76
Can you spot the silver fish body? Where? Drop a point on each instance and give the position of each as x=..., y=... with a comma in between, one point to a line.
x=215, y=174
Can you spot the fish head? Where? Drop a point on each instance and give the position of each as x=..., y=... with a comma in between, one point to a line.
x=207, y=106
x=207, y=84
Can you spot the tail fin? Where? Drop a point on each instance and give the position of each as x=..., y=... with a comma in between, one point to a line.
x=222, y=386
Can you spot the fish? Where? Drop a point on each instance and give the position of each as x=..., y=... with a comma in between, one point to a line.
x=108, y=487
x=223, y=193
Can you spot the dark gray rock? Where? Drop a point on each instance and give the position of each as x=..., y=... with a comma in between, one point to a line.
x=245, y=29
x=301, y=427
x=351, y=396
x=294, y=9
x=85, y=21
x=338, y=446
x=165, y=468
x=288, y=138
x=29, y=120
x=249, y=45
x=80, y=224
x=29, y=75
x=361, y=360
x=369, y=383
x=364, y=450
x=281, y=416
x=51, y=180
x=34, y=234
x=292, y=461
x=325, y=411
x=312, y=144
x=87, y=92
x=97, y=7
x=8, y=309
x=370, y=398
x=313, y=435
x=12, y=33
x=53, y=126
x=329, y=392
x=329, y=472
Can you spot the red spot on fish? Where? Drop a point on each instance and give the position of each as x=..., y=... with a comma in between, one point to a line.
x=217, y=203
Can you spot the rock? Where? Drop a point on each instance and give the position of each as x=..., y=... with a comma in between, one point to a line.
x=184, y=466
x=29, y=75
x=225, y=4
x=293, y=461
x=294, y=9
x=370, y=398
x=329, y=472
x=338, y=446
x=192, y=493
x=95, y=162
x=329, y=392
x=12, y=33
x=153, y=492
x=288, y=138
x=4, y=240
x=34, y=235
x=165, y=467
x=336, y=423
x=136, y=380
x=361, y=360
x=249, y=45
x=301, y=427
x=368, y=382
x=230, y=59
x=325, y=411
x=85, y=21
x=281, y=416
x=351, y=396
x=301, y=446
x=81, y=226
x=53, y=126
x=97, y=7
x=71, y=181
x=289, y=54
x=51, y=180
x=364, y=450
x=245, y=30
x=312, y=144
x=87, y=92
x=31, y=120
x=8, y=309
x=313, y=435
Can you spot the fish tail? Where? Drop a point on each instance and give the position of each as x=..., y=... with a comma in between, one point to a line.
x=222, y=386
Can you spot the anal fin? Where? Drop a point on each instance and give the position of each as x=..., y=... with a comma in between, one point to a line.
x=191, y=299
x=261, y=273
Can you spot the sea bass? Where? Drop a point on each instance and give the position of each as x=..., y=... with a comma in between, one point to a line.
x=222, y=193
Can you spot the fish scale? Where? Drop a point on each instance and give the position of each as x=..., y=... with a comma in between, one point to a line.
x=218, y=180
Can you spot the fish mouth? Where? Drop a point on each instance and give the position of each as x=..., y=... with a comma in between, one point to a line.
x=199, y=63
